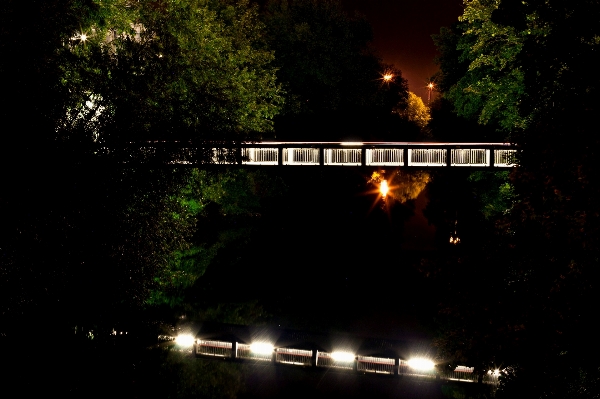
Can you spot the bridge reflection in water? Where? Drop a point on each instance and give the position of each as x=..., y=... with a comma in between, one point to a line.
x=327, y=351
x=264, y=352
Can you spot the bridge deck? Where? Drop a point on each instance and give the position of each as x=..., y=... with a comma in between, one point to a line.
x=398, y=154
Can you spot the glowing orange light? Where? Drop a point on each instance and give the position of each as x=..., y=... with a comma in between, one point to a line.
x=384, y=188
x=387, y=77
x=430, y=85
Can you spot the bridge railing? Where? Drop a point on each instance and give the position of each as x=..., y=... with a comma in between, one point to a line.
x=470, y=157
x=504, y=158
x=301, y=156
x=384, y=157
x=343, y=156
x=339, y=360
x=299, y=357
x=427, y=157
x=214, y=348
x=260, y=156
x=244, y=351
x=328, y=359
x=404, y=368
x=378, y=365
x=461, y=373
x=499, y=155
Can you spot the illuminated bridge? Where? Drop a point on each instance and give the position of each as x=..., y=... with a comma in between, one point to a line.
x=329, y=154
x=343, y=352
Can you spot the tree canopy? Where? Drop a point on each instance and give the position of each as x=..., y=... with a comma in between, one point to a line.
x=116, y=70
x=334, y=82
x=521, y=62
x=526, y=68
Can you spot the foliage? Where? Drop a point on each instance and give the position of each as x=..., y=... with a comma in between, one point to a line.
x=222, y=209
x=493, y=85
x=179, y=375
x=98, y=71
x=90, y=72
x=494, y=192
x=403, y=186
x=452, y=66
x=416, y=111
x=512, y=50
x=446, y=126
x=333, y=81
x=529, y=73
x=190, y=69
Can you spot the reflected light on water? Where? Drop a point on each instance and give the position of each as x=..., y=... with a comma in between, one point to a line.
x=384, y=188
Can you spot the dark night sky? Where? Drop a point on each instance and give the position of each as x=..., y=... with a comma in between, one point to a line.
x=402, y=33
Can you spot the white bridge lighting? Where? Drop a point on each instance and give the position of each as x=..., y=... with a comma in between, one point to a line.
x=421, y=364
x=184, y=340
x=342, y=356
x=261, y=348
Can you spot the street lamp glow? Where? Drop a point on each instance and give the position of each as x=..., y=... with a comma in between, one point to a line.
x=387, y=77
x=83, y=37
x=430, y=87
x=384, y=188
x=184, y=340
x=261, y=348
x=342, y=356
x=421, y=364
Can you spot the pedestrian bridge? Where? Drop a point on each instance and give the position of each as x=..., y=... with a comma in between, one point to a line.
x=375, y=154
x=262, y=345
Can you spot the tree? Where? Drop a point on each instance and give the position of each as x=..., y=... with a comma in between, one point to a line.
x=416, y=111
x=514, y=50
x=529, y=72
x=223, y=211
x=191, y=70
x=333, y=80
x=88, y=239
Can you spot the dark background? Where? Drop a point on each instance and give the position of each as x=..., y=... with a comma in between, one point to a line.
x=402, y=33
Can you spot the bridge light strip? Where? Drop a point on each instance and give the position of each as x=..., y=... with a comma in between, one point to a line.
x=342, y=356
x=261, y=348
x=421, y=364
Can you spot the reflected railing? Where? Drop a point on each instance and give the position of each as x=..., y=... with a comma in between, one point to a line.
x=418, y=367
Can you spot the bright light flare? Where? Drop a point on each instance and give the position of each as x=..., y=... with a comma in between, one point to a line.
x=495, y=372
x=261, y=348
x=342, y=356
x=384, y=188
x=387, y=77
x=421, y=364
x=430, y=86
x=184, y=340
